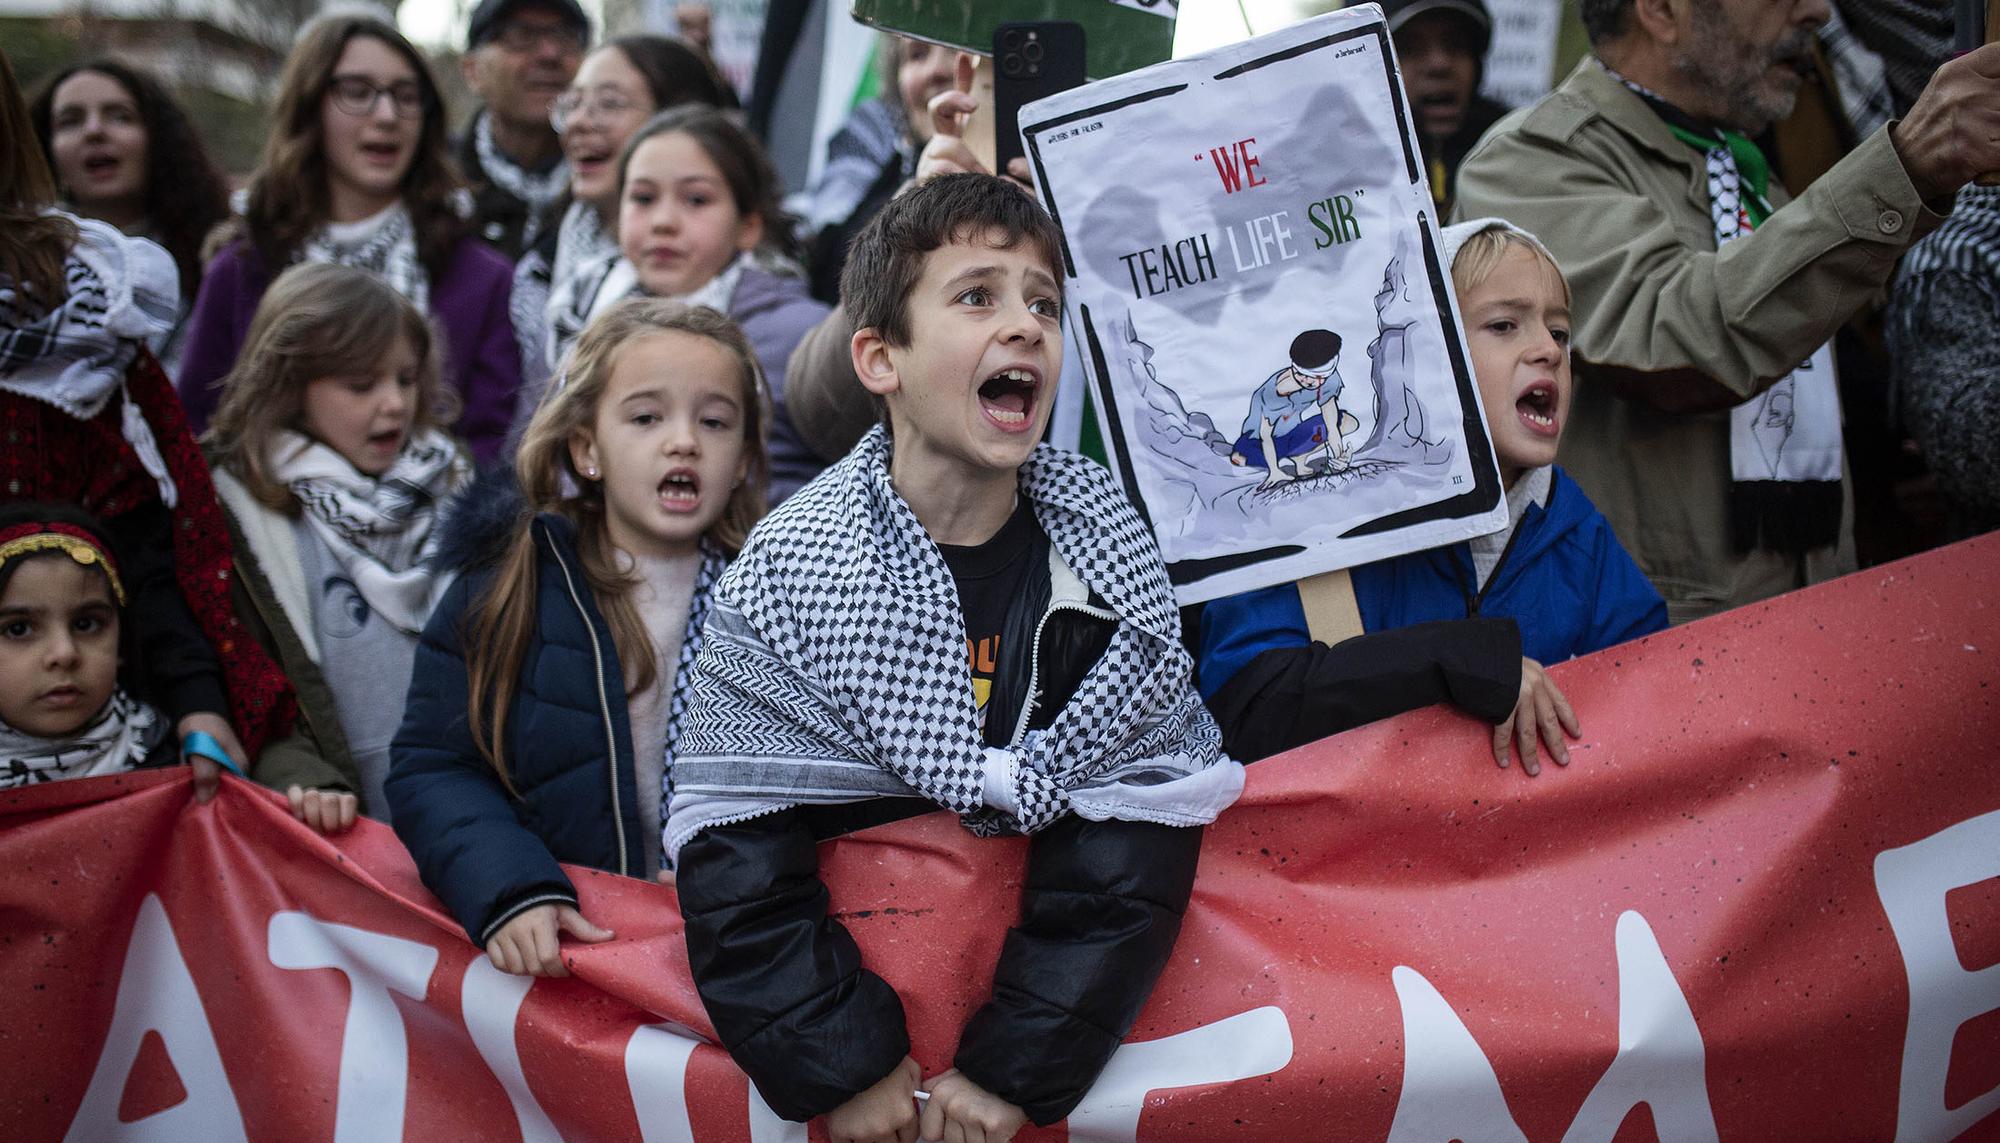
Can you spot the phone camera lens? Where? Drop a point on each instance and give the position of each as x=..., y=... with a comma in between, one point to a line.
x=1010, y=66
x=1010, y=39
x=1033, y=51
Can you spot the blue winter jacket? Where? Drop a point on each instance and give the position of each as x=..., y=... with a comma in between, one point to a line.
x=486, y=853
x=1564, y=578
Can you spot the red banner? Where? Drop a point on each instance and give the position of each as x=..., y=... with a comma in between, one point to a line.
x=1763, y=903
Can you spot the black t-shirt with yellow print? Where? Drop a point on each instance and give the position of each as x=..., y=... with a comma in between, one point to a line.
x=990, y=576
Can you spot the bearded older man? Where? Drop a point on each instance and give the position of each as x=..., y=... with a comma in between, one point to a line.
x=1706, y=423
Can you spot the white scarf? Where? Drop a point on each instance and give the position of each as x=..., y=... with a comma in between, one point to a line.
x=120, y=739
x=120, y=293
x=536, y=191
x=380, y=529
x=385, y=243
x=833, y=670
x=596, y=287
x=581, y=238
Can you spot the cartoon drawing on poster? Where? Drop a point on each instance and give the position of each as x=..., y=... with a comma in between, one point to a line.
x=1269, y=334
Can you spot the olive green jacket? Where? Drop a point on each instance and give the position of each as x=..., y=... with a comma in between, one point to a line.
x=315, y=755
x=1668, y=332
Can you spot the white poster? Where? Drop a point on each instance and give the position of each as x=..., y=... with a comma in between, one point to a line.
x=1520, y=66
x=1257, y=296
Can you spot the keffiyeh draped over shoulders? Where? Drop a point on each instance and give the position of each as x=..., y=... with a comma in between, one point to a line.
x=834, y=670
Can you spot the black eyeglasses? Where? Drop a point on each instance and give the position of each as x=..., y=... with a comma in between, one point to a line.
x=357, y=95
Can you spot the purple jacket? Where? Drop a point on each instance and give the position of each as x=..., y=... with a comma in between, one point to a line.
x=775, y=311
x=468, y=301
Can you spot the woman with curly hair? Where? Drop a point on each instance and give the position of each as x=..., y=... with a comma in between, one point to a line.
x=101, y=123
x=356, y=172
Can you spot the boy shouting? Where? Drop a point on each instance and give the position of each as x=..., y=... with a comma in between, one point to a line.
x=954, y=616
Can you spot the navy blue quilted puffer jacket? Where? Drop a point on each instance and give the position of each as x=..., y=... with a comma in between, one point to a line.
x=488, y=854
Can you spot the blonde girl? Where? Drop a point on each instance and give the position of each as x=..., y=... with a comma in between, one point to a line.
x=329, y=460
x=542, y=715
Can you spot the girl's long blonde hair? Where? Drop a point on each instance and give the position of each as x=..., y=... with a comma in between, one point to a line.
x=501, y=622
x=317, y=320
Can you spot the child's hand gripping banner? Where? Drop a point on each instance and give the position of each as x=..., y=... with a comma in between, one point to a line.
x=1260, y=302
x=1762, y=903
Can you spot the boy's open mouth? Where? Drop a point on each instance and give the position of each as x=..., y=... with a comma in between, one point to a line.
x=1537, y=408
x=1009, y=397
x=680, y=490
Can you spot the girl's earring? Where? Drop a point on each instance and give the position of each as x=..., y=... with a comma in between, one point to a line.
x=591, y=473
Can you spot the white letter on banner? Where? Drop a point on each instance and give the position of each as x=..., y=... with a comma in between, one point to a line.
x=656, y=1065
x=1450, y=1091
x=374, y=1053
x=157, y=993
x=1912, y=882
x=491, y=1001
x=1661, y=1061
x=1246, y=1045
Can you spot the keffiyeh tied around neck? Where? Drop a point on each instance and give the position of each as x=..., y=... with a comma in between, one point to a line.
x=120, y=739
x=834, y=670
x=380, y=529
x=388, y=247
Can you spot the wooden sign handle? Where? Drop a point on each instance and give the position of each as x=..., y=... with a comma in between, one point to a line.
x=1332, y=613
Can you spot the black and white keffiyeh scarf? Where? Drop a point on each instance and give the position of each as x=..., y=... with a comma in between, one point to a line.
x=1785, y=443
x=536, y=190
x=121, y=739
x=120, y=293
x=834, y=670
x=385, y=245
x=379, y=529
x=595, y=287
x=581, y=239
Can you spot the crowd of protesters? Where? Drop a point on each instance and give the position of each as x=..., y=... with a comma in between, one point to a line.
x=428, y=479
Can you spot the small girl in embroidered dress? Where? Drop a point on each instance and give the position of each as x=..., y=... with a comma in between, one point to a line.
x=699, y=222
x=327, y=455
x=547, y=697
x=63, y=710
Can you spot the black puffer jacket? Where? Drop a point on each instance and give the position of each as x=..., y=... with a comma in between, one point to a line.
x=489, y=853
x=1100, y=909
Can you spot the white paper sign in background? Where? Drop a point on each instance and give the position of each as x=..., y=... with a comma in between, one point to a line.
x=1520, y=66
x=1218, y=211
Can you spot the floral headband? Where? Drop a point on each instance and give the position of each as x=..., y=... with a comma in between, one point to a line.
x=79, y=545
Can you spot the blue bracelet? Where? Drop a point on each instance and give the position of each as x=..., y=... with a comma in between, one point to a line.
x=203, y=743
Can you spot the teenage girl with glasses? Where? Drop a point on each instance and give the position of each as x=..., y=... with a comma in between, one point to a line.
x=355, y=172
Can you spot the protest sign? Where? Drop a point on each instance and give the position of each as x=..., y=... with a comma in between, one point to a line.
x=1761, y=903
x=1255, y=278
x=1521, y=63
